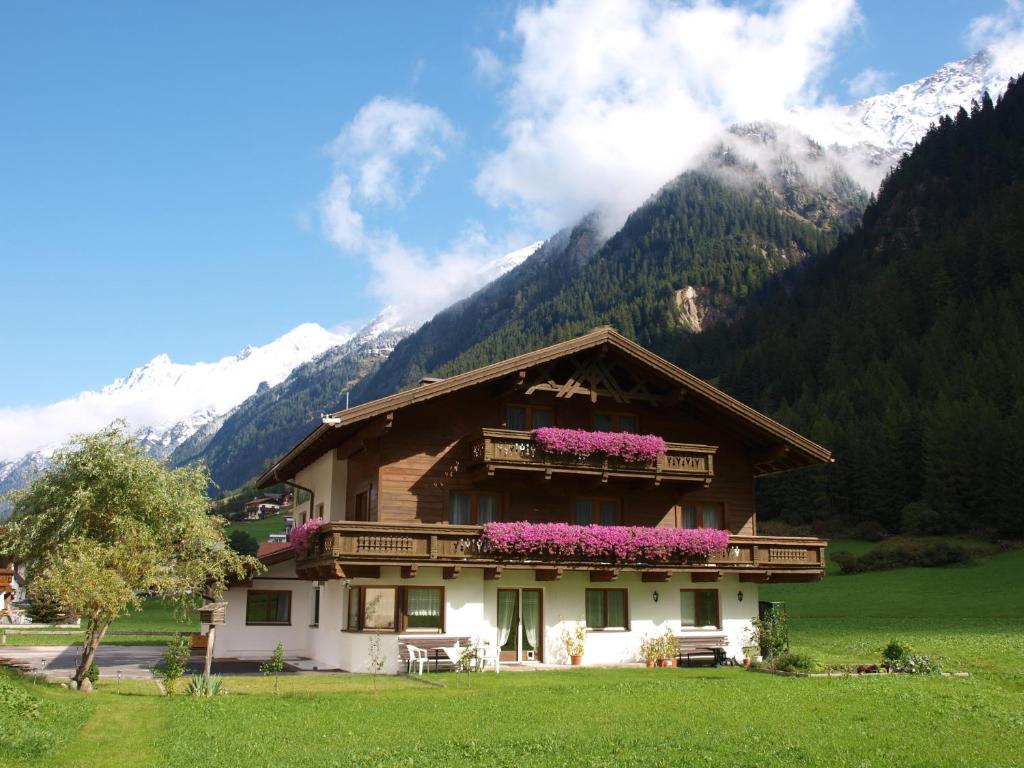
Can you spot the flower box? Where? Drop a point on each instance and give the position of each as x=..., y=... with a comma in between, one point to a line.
x=584, y=444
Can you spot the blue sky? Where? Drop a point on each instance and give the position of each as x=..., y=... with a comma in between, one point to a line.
x=163, y=167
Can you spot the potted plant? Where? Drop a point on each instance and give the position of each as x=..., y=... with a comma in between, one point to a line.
x=650, y=649
x=573, y=640
x=750, y=654
x=668, y=649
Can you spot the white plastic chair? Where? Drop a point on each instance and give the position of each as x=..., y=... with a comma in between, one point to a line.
x=416, y=656
x=487, y=654
x=454, y=654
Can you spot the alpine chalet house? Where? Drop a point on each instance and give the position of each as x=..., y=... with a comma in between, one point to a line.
x=590, y=483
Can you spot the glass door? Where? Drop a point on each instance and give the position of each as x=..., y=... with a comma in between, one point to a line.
x=520, y=624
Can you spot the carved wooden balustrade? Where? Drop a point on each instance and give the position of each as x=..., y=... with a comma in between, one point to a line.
x=510, y=449
x=354, y=549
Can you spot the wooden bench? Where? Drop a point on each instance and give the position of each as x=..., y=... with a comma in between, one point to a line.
x=702, y=646
x=431, y=644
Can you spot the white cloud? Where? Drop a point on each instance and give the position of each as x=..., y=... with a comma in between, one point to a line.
x=1002, y=34
x=610, y=100
x=868, y=82
x=381, y=160
x=489, y=67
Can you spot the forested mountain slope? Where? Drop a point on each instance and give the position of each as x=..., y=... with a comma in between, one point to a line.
x=465, y=323
x=903, y=349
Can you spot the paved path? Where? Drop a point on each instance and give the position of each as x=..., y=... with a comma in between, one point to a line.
x=57, y=662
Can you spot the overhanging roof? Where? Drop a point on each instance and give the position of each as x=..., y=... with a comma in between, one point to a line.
x=317, y=441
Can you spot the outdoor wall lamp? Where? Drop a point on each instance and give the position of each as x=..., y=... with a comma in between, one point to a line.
x=655, y=595
x=739, y=596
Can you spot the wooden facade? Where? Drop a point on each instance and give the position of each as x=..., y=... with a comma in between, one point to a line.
x=407, y=455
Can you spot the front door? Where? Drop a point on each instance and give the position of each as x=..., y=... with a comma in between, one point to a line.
x=520, y=624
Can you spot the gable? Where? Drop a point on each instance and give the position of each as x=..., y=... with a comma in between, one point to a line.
x=601, y=365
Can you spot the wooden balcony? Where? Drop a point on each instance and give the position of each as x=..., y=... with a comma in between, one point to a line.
x=353, y=549
x=510, y=449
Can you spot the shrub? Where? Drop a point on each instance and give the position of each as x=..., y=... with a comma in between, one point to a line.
x=275, y=665
x=202, y=687
x=895, y=651
x=794, y=662
x=920, y=519
x=16, y=700
x=771, y=633
x=867, y=669
x=174, y=660
x=915, y=664
x=92, y=674
x=904, y=555
x=869, y=530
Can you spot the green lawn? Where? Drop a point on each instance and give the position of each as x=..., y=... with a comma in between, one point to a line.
x=972, y=617
x=259, y=529
x=155, y=616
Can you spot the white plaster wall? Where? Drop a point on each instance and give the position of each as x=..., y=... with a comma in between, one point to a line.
x=327, y=478
x=471, y=611
x=563, y=604
x=237, y=640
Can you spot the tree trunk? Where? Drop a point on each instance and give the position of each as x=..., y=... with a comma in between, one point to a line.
x=94, y=634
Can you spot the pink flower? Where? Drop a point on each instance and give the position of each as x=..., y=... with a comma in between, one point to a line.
x=582, y=443
x=611, y=542
x=302, y=535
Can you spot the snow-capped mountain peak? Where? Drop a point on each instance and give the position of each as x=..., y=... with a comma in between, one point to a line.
x=169, y=400
x=873, y=133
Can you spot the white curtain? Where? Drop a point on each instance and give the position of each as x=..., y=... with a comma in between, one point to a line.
x=531, y=617
x=506, y=611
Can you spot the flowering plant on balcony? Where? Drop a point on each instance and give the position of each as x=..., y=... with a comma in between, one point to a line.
x=582, y=443
x=613, y=542
x=302, y=535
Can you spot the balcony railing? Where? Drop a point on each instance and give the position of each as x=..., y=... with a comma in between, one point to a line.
x=510, y=449
x=350, y=548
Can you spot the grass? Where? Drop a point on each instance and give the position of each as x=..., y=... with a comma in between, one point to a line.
x=972, y=617
x=155, y=616
x=259, y=529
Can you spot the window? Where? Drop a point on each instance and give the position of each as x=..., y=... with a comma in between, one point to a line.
x=528, y=417
x=372, y=608
x=472, y=508
x=424, y=609
x=703, y=516
x=388, y=609
x=699, y=608
x=607, y=609
x=316, y=607
x=265, y=606
x=597, y=511
x=361, y=511
x=615, y=422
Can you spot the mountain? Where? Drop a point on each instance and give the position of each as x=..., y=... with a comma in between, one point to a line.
x=875, y=132
x=903, y=349
x=169, y=402
x=275, y=418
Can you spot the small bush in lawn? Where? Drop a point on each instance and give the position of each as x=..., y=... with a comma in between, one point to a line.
x=870, y=530
x=93, y=673
x=16, y=700
x=920, y=519
x=867, y=669
x=274, y=665
x=895, y=651
x=771, y=633
x=794, y=662
x=202, y=687
x=174, y=658
x=907, y=554
x=915, y=664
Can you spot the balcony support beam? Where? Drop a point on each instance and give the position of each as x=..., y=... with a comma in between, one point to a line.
x=409, y=571
x=655, y=576
x=608, y=575
x=493, y=574
x=699, y=576
x=452, y=572
x=548, y=574
x=758, y=577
